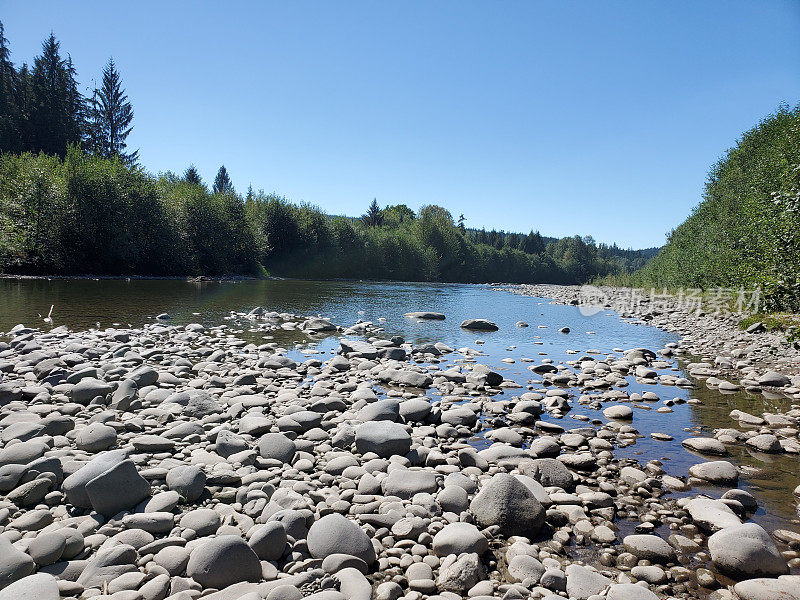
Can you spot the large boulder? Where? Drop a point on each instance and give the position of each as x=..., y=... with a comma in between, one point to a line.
x=719, y=472
x=14, y=563
x=75, y=485
x=746, y=551
x=119, y=488
x=785, y=587
x=506, y=502
x=41, y=586
x=187, y=480
x=335, y=534
x=384, y=438
x=277, y=446
x=89, y=388
x=223, y=561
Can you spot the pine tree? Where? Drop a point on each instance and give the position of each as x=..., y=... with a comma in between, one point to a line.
x=192, y=176
x=111, y=115
x=57, y=114
x=9, y=113
x=374, y=216
x=222, y=182
x=461, y=220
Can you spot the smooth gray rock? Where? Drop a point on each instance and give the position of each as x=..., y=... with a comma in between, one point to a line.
x=479, y=325
x=96, y=437
x=785, y=587
x=649, y=547
x=119, y=488
x=223, y=561
x=719, y=472
x=75, y=485
x=582, y=582
x=404, y=483
x=277, y=446
x=523, y=567
x=462, y=574
x=384, y=438
x=506, y=502
x=705, y=446
x=268, y=541
x=40, y=586
x=458, y=538
x=619, y=412
x=108, y=564
x=549, y=472
x=746, y=552
x=14, y=563
x=335, y=534
x=711, y=515
x=88, y=388
x=188, y=480
x=629, y=591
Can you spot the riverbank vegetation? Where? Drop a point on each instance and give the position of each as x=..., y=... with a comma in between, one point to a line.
x=745, y=233
x=74, y=201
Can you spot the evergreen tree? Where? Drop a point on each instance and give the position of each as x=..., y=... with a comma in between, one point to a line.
x=192, y=176
x=57, y=113
x=374, y=216
x=9, y=115
x=532, y=243
x=222, y=182
x=111, y=115
x=461, y=220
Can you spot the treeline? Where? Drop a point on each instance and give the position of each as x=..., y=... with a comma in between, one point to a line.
x=89, y=214
x=746, y=230
x=43, y=110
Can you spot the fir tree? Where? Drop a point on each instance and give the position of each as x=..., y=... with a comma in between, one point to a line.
x=192, y=176
x=111, y=115
x=57, y=106
x=374, y=216
x=222, y=182
x=9, y=113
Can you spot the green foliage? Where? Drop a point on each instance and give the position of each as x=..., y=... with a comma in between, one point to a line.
x=222, y=182
x=373, y=217
x=746, y=230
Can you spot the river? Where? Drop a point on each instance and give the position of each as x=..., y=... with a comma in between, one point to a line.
x=86, y=303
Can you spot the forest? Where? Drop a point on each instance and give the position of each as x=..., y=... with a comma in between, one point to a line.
x=75, y=200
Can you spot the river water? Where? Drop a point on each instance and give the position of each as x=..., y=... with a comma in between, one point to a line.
x=83, y=304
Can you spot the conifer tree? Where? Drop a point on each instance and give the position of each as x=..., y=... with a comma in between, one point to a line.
x=192, y=176
x=56, y=114
x=222, y=182
x=111, y=115
x=374, y=216
x=9, y=113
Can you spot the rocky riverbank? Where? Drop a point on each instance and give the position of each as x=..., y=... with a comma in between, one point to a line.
x=173, y=461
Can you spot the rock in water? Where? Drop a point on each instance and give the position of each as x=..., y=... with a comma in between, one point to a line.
x=426, y=315
x=223, y=561
x=508, y=503
x=335, y=534
x=746, y=551
x=479, y=325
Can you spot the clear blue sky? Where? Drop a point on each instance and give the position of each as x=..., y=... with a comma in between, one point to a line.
x=596, y=118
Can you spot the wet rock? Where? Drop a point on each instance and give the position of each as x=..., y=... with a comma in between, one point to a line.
x=711, y=515
x=705, y=446
x=479, y=325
